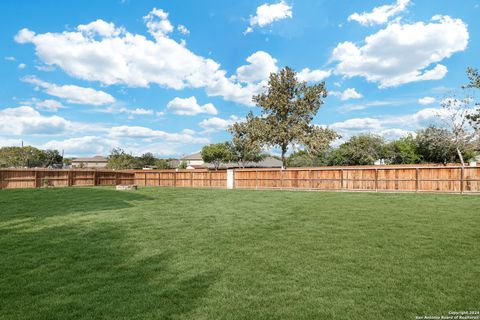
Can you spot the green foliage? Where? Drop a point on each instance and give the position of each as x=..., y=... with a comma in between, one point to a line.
x=29, y=157
x=183, y=165
x=162, y=164
x=363, y=149
x=404, y=151
x=119, y=160
x=145, y=160
x=435, y=145
x=288, y=108
x=246, y=144
x=216, y=154
x=303, y=159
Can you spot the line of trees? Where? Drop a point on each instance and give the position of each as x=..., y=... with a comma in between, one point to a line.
x=29, y=157
x=289, y=106
x=119, y=160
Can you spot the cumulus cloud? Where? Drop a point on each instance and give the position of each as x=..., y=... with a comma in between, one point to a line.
x=403, y=53
x=72, y=93
x=182, y=29
x=87, y=145
x=26, y=120
x=350, y=93
x=380, y=14
x=217, y=124
x=190, y=107
x=261, y=64
x=148, y=133
x=426, y=100
x=112, y=55
x=313, y=75
x=48, y=105
x=268, y=13
x=390, y=127
x=22, y=66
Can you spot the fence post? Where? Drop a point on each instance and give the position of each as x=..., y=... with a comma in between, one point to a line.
x=36, y=179
x=1, y=179
x=69, y=178
x=256, y=179
x=376, y=180
x=191, y=179
x=175, y=178
x=416, y=179
x=281, y=178
x=210, y=178
x=94, y=178
x=462, y=178
x=230, y=179
x=311, y=179
x=341, y=179
x=158, y=178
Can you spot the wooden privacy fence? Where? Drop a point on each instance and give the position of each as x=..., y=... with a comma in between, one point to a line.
x=181, y=178
x=381, y=178
x=37, y=178
x=369, y=178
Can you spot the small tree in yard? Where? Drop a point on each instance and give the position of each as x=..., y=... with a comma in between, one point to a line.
x=216, y=154
x=246, y=145
x=288, y=108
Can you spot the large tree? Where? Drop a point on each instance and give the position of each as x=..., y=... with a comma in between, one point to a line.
x=119, y=159
x=288, y=108
x=404, y=151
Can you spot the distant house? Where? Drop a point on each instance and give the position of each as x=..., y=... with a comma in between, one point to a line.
x=96, y=162
x=194, y=161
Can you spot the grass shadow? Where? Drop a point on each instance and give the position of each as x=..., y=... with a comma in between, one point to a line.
x=69, y=272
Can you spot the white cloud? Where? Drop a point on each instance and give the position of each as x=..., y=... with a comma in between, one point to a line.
x=26, y=121
x=350, y=93
x=403, y=53
x=111, y=55
x=217, y=124
x=426, y=100
x=157, y=23
x=182, y=29
x=261, y=64
x=48, y=105
x=390, y=127
x=22, y=66
x=269, y=13
x=148, y=133
x=101, y=28
x=10, y=58
x=72, y=93
x=87, y=145
x=313, y=75
x=190, y=107
x=380, y=14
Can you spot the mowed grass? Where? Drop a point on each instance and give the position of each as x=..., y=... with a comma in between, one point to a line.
x=161, y=253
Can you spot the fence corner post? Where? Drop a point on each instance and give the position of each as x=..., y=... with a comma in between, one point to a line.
x=462, y=179
x=230, y=179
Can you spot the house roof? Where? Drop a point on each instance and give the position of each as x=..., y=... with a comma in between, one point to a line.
x=91, y=159
x=268, y=162
x=194, y=156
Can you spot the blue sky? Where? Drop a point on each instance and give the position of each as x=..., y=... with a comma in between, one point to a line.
x=169, y=76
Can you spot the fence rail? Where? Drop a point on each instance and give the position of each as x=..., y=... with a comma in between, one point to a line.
x=455, y=179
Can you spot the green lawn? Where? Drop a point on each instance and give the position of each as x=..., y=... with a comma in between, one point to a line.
x=160, y=253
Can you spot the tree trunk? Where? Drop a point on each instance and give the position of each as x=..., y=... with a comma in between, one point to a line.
x=461, y=157
x=284, y=159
